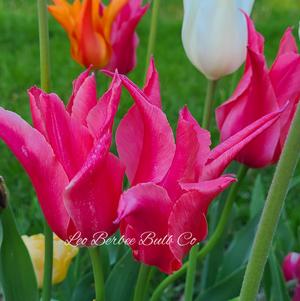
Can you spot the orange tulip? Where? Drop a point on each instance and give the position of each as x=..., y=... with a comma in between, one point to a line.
x=94, y=31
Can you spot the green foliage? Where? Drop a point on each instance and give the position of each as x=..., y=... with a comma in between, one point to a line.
x=16, y=271
x=121, y=281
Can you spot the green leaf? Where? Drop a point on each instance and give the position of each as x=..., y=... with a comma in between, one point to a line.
x=214, y=259
x=16, y=271
x=226, y=289
x=84, y=290
x=118, y=287
x=257, y=198
x=238, y=252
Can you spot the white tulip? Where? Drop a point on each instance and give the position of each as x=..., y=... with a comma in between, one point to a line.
x=214, y=35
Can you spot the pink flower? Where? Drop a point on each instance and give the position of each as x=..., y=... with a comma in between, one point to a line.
x=260, y=92
x=66, y=155
x=172, y=184
x=291, y=271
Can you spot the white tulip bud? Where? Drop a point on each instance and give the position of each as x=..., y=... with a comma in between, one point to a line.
x=214, y=35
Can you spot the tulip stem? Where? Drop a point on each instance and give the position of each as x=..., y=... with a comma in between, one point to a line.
x=153, y=31
x=98, y=273
x=213, y=240
x=209, y=103
x=141, y=284
x=271, y=212
x=44, y=45
x=45, y=85
x=47, y=281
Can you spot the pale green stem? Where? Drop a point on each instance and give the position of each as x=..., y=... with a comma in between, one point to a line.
x=271, y=212
x=153, y=31
x=98, y=273
x=209, y=104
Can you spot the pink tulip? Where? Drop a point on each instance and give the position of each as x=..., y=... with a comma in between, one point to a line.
x=291, y=271
x=289, y=266
x=66, y=155
x=260, y=92
x=172, y=184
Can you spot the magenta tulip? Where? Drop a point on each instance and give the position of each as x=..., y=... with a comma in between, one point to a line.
x=66, y=155
x=172, y=185
x=291, y=271
x=260, y=92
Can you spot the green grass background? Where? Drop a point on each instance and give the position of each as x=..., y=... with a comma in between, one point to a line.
x=181, y=83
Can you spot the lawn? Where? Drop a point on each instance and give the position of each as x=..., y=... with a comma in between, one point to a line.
x=181, y=84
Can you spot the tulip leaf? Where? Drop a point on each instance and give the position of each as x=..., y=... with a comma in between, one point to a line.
x=84, y=290
x=118, y=287
x=214, y=259
x=16, y=270
x=238, y=252
x=226, y=289
x=257, y=198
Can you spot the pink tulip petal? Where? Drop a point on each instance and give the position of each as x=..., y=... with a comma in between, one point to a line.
x=92, y=197
x=255, y=39
x=224, y=153
x=77, y=83
x=289, y=265
x=70, y=140
x=144, y=210
x=45, y=171
x=152, y=86
x=123, y=37
x=296, y=296
x=210, y=189
x=192, y=150
x=287, y=44
x=83, y=99
x=285, y=77
x=100, y=119
x=187, y=224
x=144, y=139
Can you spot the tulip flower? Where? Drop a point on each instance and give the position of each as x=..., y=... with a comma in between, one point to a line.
x=77, y=180
x=262, y=91
x=62, y=257
x=291, y=271
x=101, y=36
x=172, y=185
x=214, y=35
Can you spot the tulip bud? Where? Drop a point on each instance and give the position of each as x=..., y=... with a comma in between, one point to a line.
x=62, y=257
x=3, y=194
x=214, y=35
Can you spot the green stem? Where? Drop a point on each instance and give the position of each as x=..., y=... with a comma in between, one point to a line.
x=209, y=103
x=213, y=240
x=153, y=31
x=98, y=273
x=141, y=284
x=271, y=213
x=47, y=281
x=45, y=85
x=44, y=45
x=191, y=274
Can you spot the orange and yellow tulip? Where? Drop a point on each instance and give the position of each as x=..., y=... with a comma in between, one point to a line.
x=101, y=36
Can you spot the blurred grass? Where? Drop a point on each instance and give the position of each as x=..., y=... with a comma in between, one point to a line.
x=181, y=83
